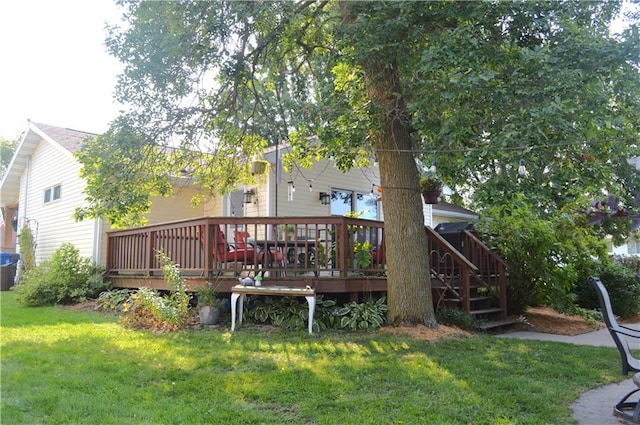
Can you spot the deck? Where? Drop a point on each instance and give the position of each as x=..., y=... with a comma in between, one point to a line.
x=321, y=252
x=332, y=255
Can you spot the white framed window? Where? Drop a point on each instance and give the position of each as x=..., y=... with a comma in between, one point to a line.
x=52, y=193
x=344, y=201
x=633, y=246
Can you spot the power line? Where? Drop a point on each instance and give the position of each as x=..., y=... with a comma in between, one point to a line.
x=510, y=148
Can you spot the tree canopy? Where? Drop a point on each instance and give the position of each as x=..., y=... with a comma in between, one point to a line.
x=7, y=148
x=473, y=86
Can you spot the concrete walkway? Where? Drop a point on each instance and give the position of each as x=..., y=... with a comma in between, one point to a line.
x=594, y=407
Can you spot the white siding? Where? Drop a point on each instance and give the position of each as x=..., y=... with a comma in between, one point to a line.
x=427, y=211
x=55, y=222
x=437, y=219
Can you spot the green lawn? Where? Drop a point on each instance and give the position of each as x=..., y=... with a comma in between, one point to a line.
x=69, y=367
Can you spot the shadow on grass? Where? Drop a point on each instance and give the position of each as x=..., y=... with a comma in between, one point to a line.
x=74, y=368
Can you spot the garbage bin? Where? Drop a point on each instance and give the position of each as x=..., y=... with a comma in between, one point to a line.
x=8, y=265
x=452, y=232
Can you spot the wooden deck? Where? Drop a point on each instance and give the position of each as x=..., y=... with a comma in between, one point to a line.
x=300, y=251
x=333, y=255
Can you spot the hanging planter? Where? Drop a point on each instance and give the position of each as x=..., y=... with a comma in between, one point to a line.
x=259, y=166
x=431, y=196
x=431, y=188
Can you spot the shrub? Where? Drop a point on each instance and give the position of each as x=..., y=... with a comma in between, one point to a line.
x=65, y=278
x=36, y=287
x=457, y=317
x=369, y=315
x=27, y=248
x=631, y=262
x=622, y=286
x=285, y=312
x=291, y=313
x=116, y=299
x=149, y=309
x=544, y=253
x=327, y=313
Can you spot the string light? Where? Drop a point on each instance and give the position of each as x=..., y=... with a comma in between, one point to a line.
x=290, y=189
x=373, y=186
x=516, y=148
x=522, y=170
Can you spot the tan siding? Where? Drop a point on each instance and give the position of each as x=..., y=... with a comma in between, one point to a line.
x=323, y=177
x=175, y=207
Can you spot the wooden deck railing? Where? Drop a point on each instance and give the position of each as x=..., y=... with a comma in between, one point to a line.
x=336, y=254
x=450, y=271
x=493, y=269
x=476, y=273
x=282, y=246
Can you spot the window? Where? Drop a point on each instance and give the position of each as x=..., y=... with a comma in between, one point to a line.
x=633, y=246
x=52, y=193
x=344, y=201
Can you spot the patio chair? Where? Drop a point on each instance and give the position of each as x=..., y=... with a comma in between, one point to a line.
x=628, y=410
x=378, y=256
x=223, y=252
x=241, y=240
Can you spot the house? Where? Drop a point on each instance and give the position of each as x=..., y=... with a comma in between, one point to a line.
x=632, y=244
x=42, y=188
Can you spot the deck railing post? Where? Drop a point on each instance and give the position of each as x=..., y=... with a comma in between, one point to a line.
x=109, y=252
x=343, y=247
x=149, y=250
x=466, y=288
x=208, y=257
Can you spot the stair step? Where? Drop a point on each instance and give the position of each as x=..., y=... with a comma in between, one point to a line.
x=482, y=298
x=497, y=324
x=486, y=311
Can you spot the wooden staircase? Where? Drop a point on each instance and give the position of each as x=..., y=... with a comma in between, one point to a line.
x=469, y=277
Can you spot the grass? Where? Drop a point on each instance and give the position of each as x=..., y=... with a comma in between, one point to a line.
x=71, y=367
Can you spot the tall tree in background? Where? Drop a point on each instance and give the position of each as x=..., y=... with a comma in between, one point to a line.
x=7, y=148
x=474, y=86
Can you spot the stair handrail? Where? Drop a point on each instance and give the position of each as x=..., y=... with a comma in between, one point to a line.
x=447, y=247
x=484, y=247
x=466, y=267
x=472, y=246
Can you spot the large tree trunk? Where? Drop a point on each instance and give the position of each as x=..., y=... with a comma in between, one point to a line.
x=408, y=276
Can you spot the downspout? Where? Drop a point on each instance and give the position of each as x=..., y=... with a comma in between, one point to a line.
x=277, y=177
x=26, y=187
x=97, y=240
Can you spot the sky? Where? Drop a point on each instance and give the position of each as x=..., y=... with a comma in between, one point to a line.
x=54, y=67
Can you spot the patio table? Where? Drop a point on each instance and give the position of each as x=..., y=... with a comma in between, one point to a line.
x=289, y=249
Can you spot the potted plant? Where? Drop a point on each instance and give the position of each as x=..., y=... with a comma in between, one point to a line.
x=208, y=304
x=431, y=188
x=288, y=231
